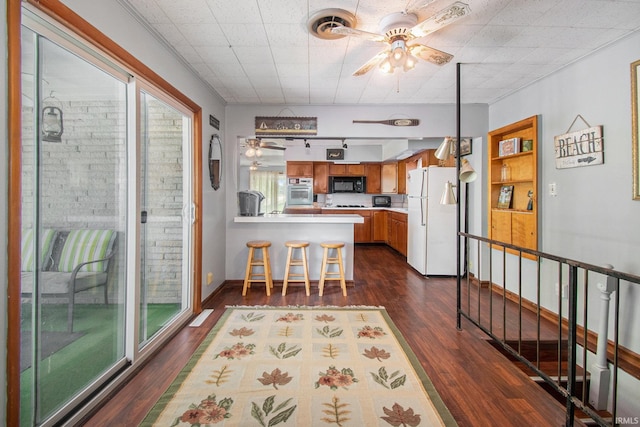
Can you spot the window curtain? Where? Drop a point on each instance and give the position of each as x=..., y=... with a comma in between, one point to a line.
x=272, y=185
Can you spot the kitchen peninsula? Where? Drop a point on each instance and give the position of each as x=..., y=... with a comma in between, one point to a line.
x=278, y=228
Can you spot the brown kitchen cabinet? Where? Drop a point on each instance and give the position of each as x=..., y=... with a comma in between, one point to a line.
x=361, y=232
x=342, y=169
x=320, y=177
x=516, y=223
x=372, y=172
x=300, y=169
x=402, y=178
x=389, y=178
x=397, y=227
x=379, y=226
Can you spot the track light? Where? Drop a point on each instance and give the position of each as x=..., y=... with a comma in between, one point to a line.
x=448, y=197
x=306, y=144
x=344, y=145
x=467, y=173
x=444, y=150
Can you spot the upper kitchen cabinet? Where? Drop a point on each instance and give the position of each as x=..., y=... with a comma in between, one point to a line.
x=320, y=177
x=372, y=172
x=402, y=178
x=389, y=178
x=342, y=169
x=300, y=169
x=513, y=183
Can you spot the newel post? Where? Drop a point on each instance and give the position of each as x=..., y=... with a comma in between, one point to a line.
x=600, y=372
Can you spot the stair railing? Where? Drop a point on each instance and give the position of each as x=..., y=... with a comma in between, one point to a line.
x=506, y=291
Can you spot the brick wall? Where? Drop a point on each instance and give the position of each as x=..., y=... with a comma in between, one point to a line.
x=83, y=184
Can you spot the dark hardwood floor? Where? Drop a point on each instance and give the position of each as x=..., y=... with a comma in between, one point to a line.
x=479, y=385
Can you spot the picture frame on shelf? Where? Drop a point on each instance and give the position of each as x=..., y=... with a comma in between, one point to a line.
x=527, y=145
x=504, y=199
x=508, y=147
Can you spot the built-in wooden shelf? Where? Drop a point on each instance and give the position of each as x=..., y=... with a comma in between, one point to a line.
x=517, y=225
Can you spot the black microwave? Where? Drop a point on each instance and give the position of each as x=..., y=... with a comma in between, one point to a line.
x=347, y=184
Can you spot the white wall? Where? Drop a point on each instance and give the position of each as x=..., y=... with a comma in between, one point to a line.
x=436, y=121
x=593, y=218
x=111, y=19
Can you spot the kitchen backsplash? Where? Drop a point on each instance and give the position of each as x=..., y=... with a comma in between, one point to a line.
x=397, y=200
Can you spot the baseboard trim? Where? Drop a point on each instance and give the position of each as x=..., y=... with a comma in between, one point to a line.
x=628, y=360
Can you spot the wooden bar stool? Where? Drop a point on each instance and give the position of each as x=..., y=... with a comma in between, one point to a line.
x=293, y=262
x=325, y=274
x=252, y=262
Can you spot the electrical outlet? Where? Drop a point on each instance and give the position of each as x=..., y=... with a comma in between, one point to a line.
x=209, y=278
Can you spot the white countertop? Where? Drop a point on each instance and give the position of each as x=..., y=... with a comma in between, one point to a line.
x=303, y=218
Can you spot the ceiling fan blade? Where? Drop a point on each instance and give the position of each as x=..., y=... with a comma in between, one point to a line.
x=441, y=19
x=430, y=54
x=348, y=31
x=271, y=146
x=371, y=63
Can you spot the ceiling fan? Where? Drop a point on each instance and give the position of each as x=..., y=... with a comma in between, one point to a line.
x=398, y=30
x=254, y=147
x=255, y=165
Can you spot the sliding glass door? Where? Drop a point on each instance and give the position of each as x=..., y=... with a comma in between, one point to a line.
x=165, y=214
x=106, y=220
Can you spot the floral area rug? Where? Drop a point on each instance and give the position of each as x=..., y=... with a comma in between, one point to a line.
x=302, y=366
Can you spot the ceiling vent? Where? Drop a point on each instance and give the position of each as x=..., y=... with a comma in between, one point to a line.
x=322, y=22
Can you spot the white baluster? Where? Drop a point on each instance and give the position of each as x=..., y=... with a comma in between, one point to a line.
x=600, y=373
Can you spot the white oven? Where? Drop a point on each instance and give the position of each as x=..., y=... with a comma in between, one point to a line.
x=299, y=191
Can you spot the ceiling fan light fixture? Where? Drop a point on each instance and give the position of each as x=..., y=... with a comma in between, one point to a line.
x=386, y=67
x=409, y=62
x=398, y=53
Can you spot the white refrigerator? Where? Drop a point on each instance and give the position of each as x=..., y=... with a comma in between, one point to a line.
x=431, y=240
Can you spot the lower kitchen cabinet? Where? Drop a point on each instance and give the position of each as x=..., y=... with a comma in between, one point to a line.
x=379, y=229
x=380, y=226
x=397, y=225
x=361, y=232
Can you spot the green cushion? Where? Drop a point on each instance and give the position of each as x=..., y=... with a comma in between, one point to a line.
x=86, y=245
x=28, y=248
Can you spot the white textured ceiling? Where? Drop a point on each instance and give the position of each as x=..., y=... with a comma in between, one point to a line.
x=260, y=51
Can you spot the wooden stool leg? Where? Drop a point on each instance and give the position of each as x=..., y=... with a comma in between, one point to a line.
x=306, y=270
x=323, y=272
x=286, y=271
x=266, y=262
x=248, y=272
x=343, y=284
